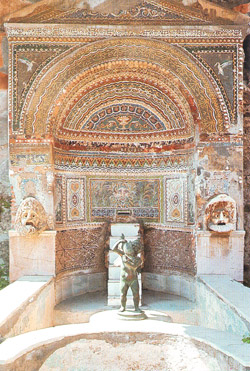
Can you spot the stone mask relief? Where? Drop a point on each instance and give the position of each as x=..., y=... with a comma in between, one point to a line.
x=31, y=217
x=220, y=214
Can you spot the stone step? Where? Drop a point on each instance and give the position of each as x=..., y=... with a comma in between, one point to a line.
x=128, y=229
x=114, y=257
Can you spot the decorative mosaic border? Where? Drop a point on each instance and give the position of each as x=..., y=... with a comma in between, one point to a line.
x=175, y=200
x=114, y=163
x=37, y=31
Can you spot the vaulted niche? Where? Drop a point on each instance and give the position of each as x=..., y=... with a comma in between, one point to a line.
x=122, y=125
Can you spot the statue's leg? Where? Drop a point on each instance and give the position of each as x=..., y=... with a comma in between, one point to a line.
x=136, y=297
x=124, y=289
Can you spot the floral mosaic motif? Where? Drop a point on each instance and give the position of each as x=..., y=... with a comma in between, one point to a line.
x=75, y=199
x=124, y=118
x=175, y=199
x=140, y=197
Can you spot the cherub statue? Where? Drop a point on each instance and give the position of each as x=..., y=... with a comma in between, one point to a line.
x=131, y=263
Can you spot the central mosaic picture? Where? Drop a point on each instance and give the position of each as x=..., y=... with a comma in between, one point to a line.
x=139, y=197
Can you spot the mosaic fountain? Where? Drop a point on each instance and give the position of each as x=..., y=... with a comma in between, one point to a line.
x=111, y=126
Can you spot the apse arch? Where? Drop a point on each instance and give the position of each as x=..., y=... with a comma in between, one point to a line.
x=160, y=77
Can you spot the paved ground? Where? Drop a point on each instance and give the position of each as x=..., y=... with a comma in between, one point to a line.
x=172, y=308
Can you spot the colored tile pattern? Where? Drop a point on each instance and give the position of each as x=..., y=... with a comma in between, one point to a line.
x=75, y=189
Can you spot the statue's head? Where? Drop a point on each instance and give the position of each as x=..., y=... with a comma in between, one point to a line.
x=132, y=248
x=31, y=217
x=129, y=249
x=220, y=214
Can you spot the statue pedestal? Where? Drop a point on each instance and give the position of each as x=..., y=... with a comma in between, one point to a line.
x=131, y=315
x=32, y=256
x=221, y=253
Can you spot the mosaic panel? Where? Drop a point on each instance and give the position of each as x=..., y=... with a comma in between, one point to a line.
x=191, y=198
x=149, y=80
x=167, y=250
x=81, y=249
x=58, y=199
x=175, y=200
x=124, y=118
x=29, y=62
x=222, y=65
x=29, y=159
x=140, y=197
x=75, y=189
x=87, y=198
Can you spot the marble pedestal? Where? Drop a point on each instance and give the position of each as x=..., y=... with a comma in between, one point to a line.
x=221, y=253
x=31, y=256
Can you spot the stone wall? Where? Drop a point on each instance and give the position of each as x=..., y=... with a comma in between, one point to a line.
x=167, y=250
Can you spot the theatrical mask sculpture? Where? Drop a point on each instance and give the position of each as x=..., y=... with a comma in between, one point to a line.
x=31, y=217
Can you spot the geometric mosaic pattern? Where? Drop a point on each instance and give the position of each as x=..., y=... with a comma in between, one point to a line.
x=75, y=199
x=81, y=249
x=175, y=200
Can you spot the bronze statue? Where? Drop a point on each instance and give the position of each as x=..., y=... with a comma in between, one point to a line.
x=131, y=263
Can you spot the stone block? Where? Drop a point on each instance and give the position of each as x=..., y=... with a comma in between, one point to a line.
x=32, y=255
x=221, y=254
x=113, y=240
x=70, y=285
x=114, y=273
x=113, y=257
x=175, y=284
x=97, y=281
x=127, y=229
